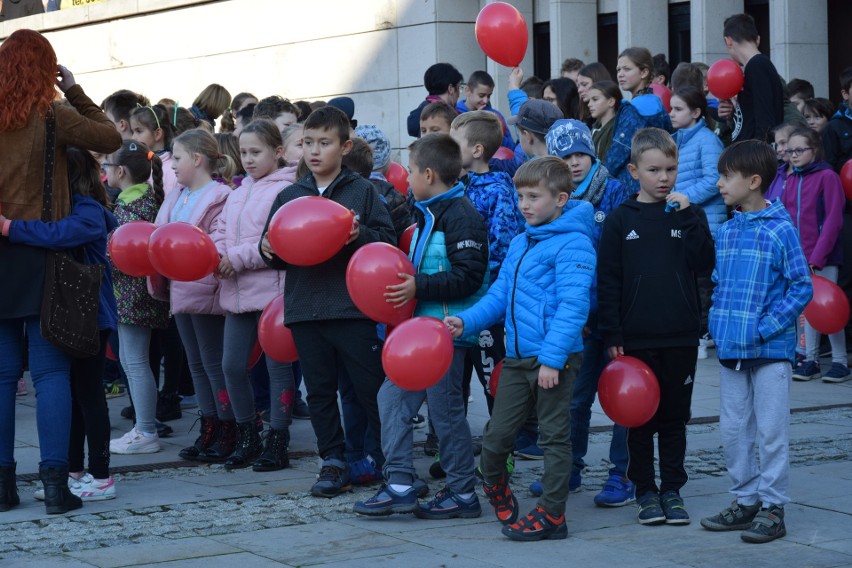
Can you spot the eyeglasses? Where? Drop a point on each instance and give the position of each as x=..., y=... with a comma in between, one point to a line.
x=796, y=151
x=105, y=164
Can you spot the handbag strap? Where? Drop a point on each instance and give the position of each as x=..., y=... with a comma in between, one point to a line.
x=49, y=164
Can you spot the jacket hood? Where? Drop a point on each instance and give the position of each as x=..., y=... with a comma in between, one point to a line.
x=452, y=193
x=684, y=135
x=814, y=166
x=648, y=105
x=489, y=177
x=286, y=174
x=577, y=216
x=774, y=210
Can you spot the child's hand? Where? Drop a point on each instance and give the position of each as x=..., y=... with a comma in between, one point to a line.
x=400, y=294
x=266, y=248
x=516, y=77
x=64, y=78
x=615, y=352
x=726, y=109
x=356, y=229
x=548, y=377
x=679, y=198
x=225, y=268
x=455, y=325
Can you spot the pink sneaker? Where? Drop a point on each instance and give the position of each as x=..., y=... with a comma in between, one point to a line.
x=22, y=387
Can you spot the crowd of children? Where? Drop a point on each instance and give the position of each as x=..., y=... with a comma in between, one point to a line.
x=614, y=228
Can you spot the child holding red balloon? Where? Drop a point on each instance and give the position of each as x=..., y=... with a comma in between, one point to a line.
x=138, y=313
x=195, y=304
x=328, y=329
x=543, y=294
x=450, y=253
x=815, y=200
x=247, y=286
x=651, y=250
x=762, y=285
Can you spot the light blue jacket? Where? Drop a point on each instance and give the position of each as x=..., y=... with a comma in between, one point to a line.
x=543, y=289
x=762, y=285
x=697, y=174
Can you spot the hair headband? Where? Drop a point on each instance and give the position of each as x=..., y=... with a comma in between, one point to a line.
x=149, y=107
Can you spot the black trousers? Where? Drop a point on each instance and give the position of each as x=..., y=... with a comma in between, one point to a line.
x=325, y=347
x=483, y=358
x=675, y=371
x=89, y=413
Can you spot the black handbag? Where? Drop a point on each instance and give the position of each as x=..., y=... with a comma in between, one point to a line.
x=69, y=306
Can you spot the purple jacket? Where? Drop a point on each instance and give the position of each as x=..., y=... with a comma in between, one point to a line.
x=776, y=188
x=815, y=200
x=199, y=296
x=238, y=235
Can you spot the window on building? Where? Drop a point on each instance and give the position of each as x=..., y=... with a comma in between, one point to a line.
x=608, y=41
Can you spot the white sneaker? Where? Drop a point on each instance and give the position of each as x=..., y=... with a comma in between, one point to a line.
x=702, y=351
x=707, y=341
x=88, y=488
x=39, y=493
x=135, y=443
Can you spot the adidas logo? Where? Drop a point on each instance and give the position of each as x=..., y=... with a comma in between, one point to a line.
x=688, y=380
x=631, y=236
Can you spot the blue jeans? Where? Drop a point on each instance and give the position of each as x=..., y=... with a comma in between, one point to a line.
x=595, y=359
x=398, y=407
x=50, y=369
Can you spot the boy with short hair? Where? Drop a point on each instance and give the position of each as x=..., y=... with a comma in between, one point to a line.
x=480, y=86
x=450, y=253
x=760, y=105
x=543, y=294
x=651, y=250
x=762, y=285
x=436, y=118
x=327, y=327
x=837, y=136
x=118, y=107
x=533, y=121
x=443, y=82
x=799, y=91
x=277, y=109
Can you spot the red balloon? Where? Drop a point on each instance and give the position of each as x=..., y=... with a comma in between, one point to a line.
x=255, y=355
x=128, y=248
x=418, y=353
x=405, y=239
x=309, y=230
x=182, y=252
x=665, y=95
x=725, y=79
x=828, y=311
x=371, y=269
x=494, y=381
x=503, y=153
x=629, y=392
x=398, y=176
x=502, y=33
x=274, y=337
x=846, y=178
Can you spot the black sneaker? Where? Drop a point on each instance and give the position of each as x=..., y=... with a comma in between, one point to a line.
x=163, y=430
x=768, y=524
x=168, y=407
x=430, y=448
x=333, y=480
x=672, y=505
x=300, y=410
x=435, y=470
x=650, y=510
x=735, y=518
x=128, y=412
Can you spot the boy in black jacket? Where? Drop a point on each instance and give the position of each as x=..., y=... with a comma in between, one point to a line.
x=651, y=250
x=327, y=327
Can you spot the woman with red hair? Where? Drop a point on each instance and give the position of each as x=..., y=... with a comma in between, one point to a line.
x=29, y=75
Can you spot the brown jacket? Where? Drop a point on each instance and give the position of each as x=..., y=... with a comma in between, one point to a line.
x=21, y=183
x=22, y=155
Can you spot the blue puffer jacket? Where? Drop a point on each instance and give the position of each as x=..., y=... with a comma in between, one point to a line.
x=641, y=112
x=543, y=289
x=493, y=195
x=450, y=252
x=698, y=156
x=762, y=285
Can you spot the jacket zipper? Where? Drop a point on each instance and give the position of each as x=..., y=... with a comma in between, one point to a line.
x=237, y=241
x=514, y=290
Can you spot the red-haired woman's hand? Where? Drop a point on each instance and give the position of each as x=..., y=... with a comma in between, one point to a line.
x=65, y=79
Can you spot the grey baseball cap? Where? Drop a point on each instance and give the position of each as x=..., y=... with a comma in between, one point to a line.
x=537, y=116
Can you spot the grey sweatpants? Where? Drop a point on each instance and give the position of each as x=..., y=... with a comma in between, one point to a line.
x=756, y=404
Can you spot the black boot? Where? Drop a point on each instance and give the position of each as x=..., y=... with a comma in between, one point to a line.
x=58, y=498
x=248, y=446
x=223, y=447
x=209, y=429
x=8, y=488
x=168, y=407
x=274, y=456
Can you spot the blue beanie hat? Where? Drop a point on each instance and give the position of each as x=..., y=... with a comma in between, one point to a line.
x=378, y=142
x=569, y=136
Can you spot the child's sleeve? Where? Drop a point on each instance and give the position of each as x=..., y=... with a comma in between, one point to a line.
x=703, y=188
x=517, y=97
x=467, y=251
x=575, y=269
x=84, y=225
x=834, y=200
x=610, y=281
x=375, y=224
x=831, y=147
x=491, y=309
x=795, y=270
x=274, y=262
x=505, y=223
x=697, y=240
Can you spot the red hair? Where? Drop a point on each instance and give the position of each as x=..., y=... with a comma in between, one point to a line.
x=27, y=78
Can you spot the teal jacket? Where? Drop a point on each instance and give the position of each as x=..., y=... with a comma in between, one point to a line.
x=450, y=253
